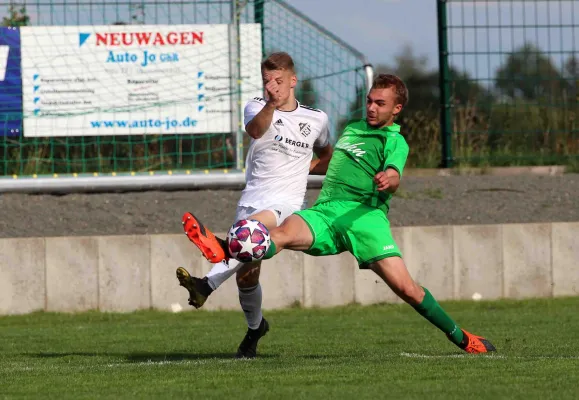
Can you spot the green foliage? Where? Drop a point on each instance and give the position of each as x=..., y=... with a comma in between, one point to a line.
x=306, y=93
x=17, y=16
x=492, y=125
x=529, y=74
x=29, y=156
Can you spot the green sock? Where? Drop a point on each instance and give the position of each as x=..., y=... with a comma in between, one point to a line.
x=270, y=252
x=431, y=310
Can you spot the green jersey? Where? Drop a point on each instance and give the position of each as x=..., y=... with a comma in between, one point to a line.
x=361, y=152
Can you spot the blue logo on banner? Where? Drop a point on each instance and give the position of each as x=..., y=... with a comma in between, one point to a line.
x=10, y=83
x=82, y=37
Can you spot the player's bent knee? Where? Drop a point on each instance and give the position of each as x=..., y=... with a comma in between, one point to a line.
x=293, y=234
x=281, y=235
x=248, y=275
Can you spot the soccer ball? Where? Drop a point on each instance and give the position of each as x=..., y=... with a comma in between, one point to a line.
x=248, y=240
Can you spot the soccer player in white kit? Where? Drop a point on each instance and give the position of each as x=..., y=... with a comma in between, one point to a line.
x=285, y=135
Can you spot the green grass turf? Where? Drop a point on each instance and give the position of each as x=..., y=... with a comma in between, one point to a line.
x=354, y=352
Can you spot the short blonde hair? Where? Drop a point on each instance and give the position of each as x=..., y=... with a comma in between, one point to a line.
x=278, y=61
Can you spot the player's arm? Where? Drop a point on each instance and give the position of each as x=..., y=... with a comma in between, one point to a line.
x=259, y=124
x=389, y=179
x=319, y=166
x=322, y=149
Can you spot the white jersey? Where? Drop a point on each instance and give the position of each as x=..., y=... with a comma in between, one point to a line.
x=278, y=163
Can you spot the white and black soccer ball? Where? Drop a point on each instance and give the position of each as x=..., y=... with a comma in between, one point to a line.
x=248, y=240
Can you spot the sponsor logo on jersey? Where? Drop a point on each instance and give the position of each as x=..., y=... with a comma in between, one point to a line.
x=297, y=143
x=279, y=122
x=351, y=147
x=305, y=129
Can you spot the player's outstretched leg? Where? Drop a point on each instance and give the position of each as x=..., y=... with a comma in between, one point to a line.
x=198, y=289
x=292, y=234
x=394, y=272
x=212, y=247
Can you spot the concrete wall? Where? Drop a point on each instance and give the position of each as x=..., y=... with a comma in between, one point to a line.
x=126, y=273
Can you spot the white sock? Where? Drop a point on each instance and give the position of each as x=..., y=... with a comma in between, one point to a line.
x=222, y=272
x=250, y=300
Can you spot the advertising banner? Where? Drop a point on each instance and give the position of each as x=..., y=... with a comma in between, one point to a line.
x=10, y=83
x=133, y=79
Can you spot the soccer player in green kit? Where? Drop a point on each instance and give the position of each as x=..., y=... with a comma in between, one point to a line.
x=351, y=212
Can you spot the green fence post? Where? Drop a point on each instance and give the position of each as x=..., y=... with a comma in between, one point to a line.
x=259, y=18
x=444, y=78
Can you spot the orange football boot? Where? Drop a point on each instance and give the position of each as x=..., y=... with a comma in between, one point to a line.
x=212, y=248
x=475, y=344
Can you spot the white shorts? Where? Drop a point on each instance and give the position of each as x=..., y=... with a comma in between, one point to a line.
x=281, y=212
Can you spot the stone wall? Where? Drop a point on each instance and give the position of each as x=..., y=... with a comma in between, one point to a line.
x=126, y=273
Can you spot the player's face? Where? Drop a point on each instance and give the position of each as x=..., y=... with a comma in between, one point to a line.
x=382, y=106
x=286, y=81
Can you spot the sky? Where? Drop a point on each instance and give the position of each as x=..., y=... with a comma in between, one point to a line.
x=381, y=28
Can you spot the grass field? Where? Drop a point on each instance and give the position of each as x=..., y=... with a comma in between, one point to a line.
x=385, y=351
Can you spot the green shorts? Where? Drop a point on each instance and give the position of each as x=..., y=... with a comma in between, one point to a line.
x=339, y=226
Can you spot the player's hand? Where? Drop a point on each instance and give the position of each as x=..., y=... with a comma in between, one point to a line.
x=272, y=91
x=382, y=181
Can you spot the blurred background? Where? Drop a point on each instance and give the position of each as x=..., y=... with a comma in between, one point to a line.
x=492, y=83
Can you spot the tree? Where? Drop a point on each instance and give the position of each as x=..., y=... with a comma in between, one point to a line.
x=422, y=82
x=572, y=76
x=355, y=111
x=572, y=67
x=306, y=93
x=466, y=90
x=17, y=15
x=529, y=74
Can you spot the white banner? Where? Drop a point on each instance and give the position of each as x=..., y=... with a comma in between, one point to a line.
x=133, y=79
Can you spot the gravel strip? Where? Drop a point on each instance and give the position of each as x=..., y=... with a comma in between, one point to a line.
x=453, y=200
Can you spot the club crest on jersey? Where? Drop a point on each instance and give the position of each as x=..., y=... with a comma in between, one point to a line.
x=305, y=129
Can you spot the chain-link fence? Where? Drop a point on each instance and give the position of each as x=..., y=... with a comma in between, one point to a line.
x=509, y=81
x=330, y=72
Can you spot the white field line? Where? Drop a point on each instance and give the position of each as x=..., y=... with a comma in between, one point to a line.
x=148, y=364
x=57, y=367
x=489, y=356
